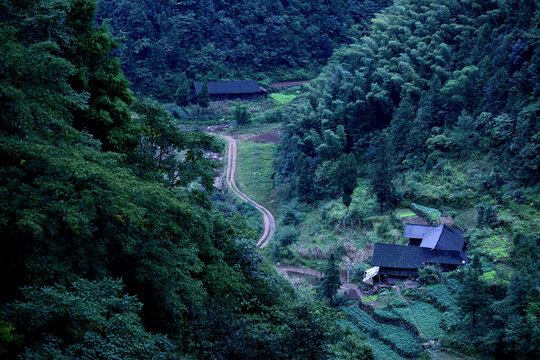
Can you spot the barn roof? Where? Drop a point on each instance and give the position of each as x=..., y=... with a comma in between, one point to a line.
x=413, y=257
x=440, y=237
x=230, y=87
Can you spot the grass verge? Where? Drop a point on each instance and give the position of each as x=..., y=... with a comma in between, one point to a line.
x=254, y=171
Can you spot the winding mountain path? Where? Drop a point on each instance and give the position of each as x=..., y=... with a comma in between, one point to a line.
x=269, y=222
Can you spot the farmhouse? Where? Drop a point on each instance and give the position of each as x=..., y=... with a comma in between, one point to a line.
x=229, y=90
x=428, y=245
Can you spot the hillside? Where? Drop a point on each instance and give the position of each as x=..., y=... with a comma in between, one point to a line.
x=111, y=242
x=215, y=39
x=435, y=110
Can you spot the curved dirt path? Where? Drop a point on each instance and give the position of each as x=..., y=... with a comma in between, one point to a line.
x=269, y=222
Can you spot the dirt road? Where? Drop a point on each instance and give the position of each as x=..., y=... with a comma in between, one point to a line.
x=269, y=222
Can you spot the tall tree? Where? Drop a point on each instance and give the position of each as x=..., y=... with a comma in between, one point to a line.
x=380, y=171
x=331, y=281
x=203, y=96
x=108, y=118
x=182, y=92
x=473, y=297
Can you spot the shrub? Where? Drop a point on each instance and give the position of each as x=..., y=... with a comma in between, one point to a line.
x=486, y=215
x=287, y=236
x=430, y=274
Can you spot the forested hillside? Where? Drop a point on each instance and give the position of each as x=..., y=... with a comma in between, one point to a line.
x=432, y=83
x=108, y=251
x=216, y=39
x=437, y=106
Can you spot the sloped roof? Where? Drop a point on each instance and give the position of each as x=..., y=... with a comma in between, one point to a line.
x=443, y=238
x=413, y=257
x=415, y=231
x=230, y=87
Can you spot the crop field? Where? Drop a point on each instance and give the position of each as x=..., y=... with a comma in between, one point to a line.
x=383, y=351
x=380, y=349
x=400, y=338
x=282, y=99
x=442, y=297
x=428, y=319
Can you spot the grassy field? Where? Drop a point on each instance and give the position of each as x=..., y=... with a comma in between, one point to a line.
x=254, y=171
x=282, y=99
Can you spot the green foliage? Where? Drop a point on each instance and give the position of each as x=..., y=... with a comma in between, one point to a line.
x=380, y=170
x=400, y=338
x=428, y=319
x=91, y=190
x=485, y=215
x=473, y=299
x=433, y=215
x=182, y=92
x=442, y=297
x=430, y=274
x=331, y=281
x=220, y=40
x=282, y=99
x=441, y=96
x=203, y=97
x=241, y=115
x=405, y=214
x=88, y=320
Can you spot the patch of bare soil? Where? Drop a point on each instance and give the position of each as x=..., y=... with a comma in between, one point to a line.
x=271, y=136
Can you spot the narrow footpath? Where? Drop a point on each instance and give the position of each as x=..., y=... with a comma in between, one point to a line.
x=269, y=222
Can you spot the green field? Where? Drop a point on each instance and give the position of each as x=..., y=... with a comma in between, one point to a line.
x=282, y=99
x=254, y=171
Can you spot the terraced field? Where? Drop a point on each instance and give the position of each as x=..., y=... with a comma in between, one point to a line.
x=398, y=338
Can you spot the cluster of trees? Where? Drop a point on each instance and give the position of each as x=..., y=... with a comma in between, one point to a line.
x=436, y=85
x=433, y=81
x=217, y=39
x=502, y=319
x=110, y=246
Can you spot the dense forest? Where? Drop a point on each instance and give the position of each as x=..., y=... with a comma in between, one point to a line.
x=433, y=81
x=108, y=251
x=114, y=243
x=438, y=105
x=235, y=40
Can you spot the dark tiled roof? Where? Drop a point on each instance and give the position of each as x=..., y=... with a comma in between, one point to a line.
x=413, y=257
x=230, y=87
x=443, y=238
x=415, y=231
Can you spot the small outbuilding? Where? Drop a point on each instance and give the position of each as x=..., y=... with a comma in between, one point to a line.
x=229, y=90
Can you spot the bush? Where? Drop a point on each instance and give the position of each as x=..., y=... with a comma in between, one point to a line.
x=430, y=274
x=286, y=236
x=486, y=215
x=272, y=116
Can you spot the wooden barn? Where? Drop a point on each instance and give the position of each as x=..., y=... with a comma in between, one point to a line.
x=229, y=90
x=428, y=245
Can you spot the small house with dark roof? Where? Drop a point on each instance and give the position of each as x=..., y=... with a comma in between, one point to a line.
x=428, y=245
x=229, y=90
x=441, y=237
